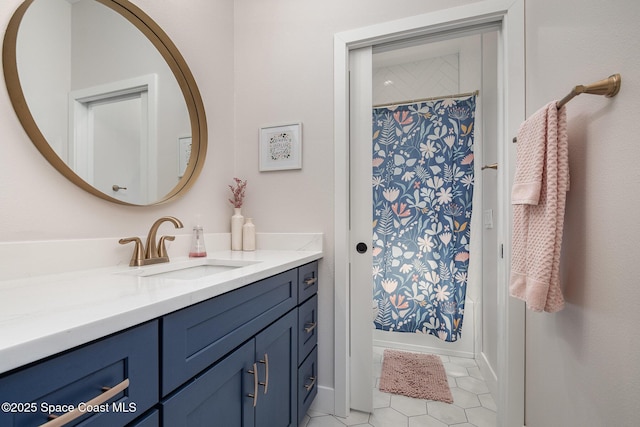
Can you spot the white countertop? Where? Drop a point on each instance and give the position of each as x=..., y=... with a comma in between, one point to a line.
x=41, y=316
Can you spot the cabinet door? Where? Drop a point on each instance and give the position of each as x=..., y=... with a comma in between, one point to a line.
x=276, y=351
x=218, y=397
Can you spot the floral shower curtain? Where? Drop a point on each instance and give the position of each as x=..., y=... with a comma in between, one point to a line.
x=422, y=189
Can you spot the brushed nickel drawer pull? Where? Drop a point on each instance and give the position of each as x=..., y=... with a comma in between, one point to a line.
x=308, y=327
x=254, y=371
x=60, y=420
x=310, y=281
x=265, y=384
x=311, y=384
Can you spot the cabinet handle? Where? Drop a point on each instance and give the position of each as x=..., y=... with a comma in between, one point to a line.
x=254, y=371
x=310, y=281
x=67, y=417
x=311, y=384
x=308, y=327
x=265, y=384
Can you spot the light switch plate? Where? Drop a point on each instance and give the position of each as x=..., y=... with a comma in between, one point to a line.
x=488, y=218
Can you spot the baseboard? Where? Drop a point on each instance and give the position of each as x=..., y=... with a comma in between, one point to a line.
x=421, y=348
x=324, y=401
x=489, y=375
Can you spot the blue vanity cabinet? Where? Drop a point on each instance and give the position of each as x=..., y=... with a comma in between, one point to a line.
x=252, y=386
x=72, y=379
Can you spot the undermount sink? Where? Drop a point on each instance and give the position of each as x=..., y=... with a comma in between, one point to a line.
x=191, y=270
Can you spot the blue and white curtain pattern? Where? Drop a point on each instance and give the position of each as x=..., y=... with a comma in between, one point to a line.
x=422, y=190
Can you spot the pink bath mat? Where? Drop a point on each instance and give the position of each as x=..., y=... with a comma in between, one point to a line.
x=416, y=375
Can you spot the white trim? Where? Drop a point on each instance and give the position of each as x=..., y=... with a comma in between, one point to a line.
x=323, y=402
x=341, y=230
x=489, y=375
x=511, y=320
x=511, y=112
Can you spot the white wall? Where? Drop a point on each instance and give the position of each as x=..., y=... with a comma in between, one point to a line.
x=37, y=203
x=582, y=363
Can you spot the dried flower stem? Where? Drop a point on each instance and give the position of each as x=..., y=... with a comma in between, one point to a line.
x=238, y=192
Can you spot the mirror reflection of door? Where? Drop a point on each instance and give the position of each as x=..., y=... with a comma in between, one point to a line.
x=112, y=143
x=117, y=135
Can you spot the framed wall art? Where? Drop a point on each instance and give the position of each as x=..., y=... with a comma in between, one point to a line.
x=281, y=147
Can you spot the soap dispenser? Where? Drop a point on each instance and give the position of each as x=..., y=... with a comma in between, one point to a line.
x=197, y=243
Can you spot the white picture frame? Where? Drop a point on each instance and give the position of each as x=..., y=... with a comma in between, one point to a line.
x=184, y=154
x=281, y=147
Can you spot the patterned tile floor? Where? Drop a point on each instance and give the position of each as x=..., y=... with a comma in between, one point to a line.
x=473, y=405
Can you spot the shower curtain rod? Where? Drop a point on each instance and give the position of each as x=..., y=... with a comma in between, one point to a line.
x=433, y=98
x=608, y=87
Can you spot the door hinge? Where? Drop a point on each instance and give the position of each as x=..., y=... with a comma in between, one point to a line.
x=501, y=250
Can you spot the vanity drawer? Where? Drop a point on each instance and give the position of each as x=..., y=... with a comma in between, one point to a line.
x=307, y=281
x=78, y=376
x=307, y=383
x=197, y=336
x=307, y=327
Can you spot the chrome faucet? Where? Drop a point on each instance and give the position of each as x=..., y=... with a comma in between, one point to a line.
x=154, y=253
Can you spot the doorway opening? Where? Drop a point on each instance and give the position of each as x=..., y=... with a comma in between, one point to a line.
x=435, y=70
x=353, y=55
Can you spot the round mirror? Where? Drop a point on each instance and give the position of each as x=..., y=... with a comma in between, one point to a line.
x=106, y=97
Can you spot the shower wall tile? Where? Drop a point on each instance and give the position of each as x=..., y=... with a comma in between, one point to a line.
x=420, y=79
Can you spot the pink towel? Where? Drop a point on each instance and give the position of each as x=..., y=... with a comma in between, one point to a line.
x=539, y=197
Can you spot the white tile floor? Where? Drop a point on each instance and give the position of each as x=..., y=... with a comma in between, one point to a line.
x=473, y=405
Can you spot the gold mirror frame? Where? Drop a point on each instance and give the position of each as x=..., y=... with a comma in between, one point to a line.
x=174, y=60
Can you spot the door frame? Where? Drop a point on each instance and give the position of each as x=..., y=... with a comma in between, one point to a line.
x=509, y=14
